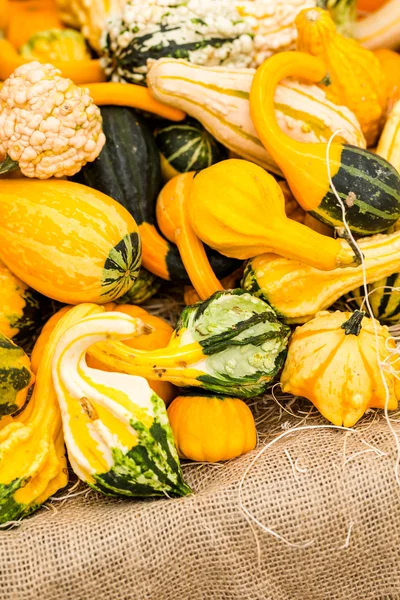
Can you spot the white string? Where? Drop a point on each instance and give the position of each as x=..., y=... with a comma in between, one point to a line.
x=248, y=515
x=381, y=364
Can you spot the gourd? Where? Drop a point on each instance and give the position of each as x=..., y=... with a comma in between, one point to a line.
x=297, y=291
x=4, y=14
x=67, y=241
x=389, y=142
x=28, y=17
x=116, y=428
x=333, y=361
x=157, y=335
x=230, y=282
x=390, y=63
x=381, y=29
x=80, y=71
x=274, y=22
x=172, y=219
x=368, y=184
x=207, y=34
x=89, y=17
x=145, y=286
x=369, y=5
x=186, y=146
x=55, y=44
x=15, y=377
x=133, y=178
x=249, y=218
x=232, y=344
x=219, y=99
x=211, y=428
x=19, y=307
x=33, y=465
x=383, y=296
x=356, y=78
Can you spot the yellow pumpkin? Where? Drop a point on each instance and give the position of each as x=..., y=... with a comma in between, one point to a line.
x=211, y=428
x=356, y=76
x=158, y=338
x=332, y=361
x=390, y=63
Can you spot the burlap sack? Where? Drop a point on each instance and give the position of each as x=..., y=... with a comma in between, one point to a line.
x=334, y=489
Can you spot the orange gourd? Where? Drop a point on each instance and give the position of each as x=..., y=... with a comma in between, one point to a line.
x=173, y=221
x=390, y=63
x=356, y=76
x=29, y=17
x=211, y=428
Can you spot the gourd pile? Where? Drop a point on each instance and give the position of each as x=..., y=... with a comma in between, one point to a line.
x=245, y=151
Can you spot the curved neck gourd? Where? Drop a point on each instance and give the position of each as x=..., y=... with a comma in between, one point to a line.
x=368, y=185
x=172, y=218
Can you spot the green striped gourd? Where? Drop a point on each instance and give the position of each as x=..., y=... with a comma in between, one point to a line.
x=187, y=146
x=116, y=428
x=219, y=99
x=15, y=377
x=384, y=299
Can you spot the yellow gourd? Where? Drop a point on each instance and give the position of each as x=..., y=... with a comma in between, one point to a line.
x=297, y=291
x=368, y=186
x=238, y=209
x=27, y=17
x=332, y=361
x=32, y=457
x=389, y=142
x=356, y=78
x=67, y=241
x=172, y=219
x=211, y=428
x=390, y=63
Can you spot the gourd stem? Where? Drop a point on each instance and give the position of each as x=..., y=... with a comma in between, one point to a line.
x=286, y=64
x=8, y=165
x=353, y=325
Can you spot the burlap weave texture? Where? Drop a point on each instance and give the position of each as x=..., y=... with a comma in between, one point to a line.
x=342, y=496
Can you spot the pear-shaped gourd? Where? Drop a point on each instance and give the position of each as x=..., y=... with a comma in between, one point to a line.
x=367, y=184
x=333, y=361
x=67, y=241
x=116, y=428
x=238, y=209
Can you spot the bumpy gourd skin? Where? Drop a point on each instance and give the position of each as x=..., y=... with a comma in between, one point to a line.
x=332, y=361
x=48, y=125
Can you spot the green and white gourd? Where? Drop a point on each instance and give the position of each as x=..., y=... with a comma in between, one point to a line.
x=187, y=146
x=219, y=99
x=206, y=32
x=116, y=428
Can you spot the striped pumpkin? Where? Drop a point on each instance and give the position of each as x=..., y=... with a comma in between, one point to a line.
x=187, y=147
x=219, y=99
x=384, y=299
